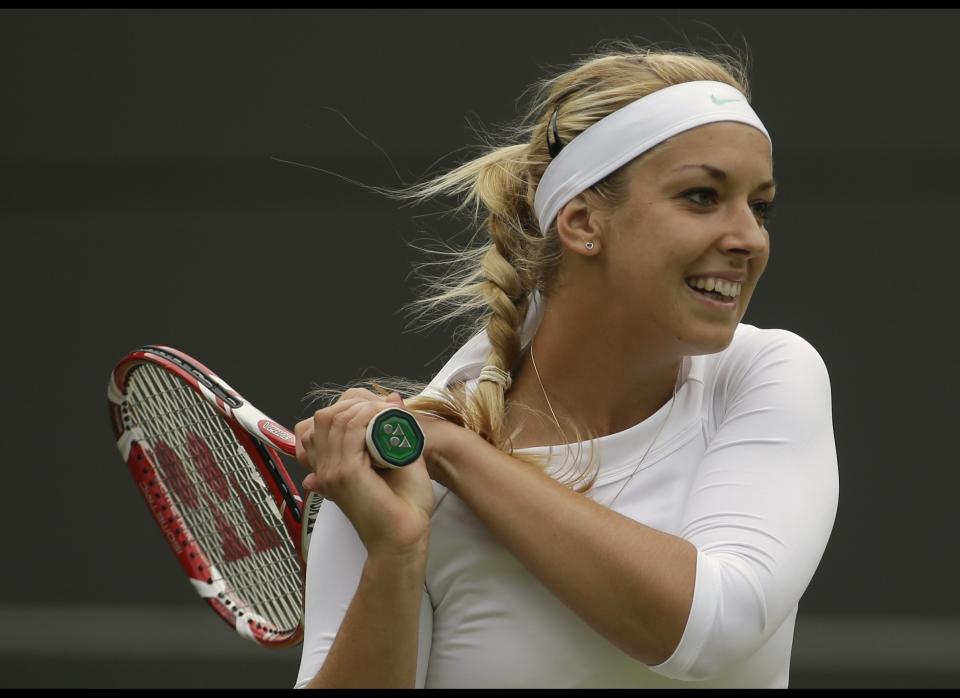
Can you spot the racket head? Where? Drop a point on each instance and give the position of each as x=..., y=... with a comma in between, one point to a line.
x=222, y=498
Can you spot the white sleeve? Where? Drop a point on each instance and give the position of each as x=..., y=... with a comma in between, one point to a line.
x=334, y=564
x=761, y=507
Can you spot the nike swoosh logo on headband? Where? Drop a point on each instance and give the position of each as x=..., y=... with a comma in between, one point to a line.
x=722, y=101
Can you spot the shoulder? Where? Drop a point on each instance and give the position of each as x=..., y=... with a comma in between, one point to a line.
x=749, y=338
x=758, y=356
x=769, y=386
x=753, y=346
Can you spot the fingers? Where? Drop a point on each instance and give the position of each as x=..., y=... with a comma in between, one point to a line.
x=337, y=466
x=348, y=433
x=305, y=429
x=322, y=419
x=333, y=448
x=310, y=483
x=318, y=428
x=332, y=444
x=355, y=435
x=301, y=430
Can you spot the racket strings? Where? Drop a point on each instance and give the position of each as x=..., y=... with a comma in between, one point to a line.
x=249, y=574
x=220, y=494
x=229, y=448
x=273, y=594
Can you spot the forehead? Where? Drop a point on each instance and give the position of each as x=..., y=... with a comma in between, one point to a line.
x=727, y=145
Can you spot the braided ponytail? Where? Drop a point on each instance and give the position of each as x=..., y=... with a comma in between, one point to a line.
x=495, y=279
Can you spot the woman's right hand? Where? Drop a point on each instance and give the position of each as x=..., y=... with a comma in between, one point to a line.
x=390, y=509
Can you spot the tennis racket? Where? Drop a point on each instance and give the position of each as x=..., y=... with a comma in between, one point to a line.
x=206, y=462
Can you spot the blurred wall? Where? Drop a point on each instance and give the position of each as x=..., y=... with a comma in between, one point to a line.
x=140, y=178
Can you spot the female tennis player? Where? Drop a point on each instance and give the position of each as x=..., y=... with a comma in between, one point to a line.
x=625, y=234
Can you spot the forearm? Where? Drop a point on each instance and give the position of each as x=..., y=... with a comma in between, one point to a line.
x=376, y=645
x=633, y=584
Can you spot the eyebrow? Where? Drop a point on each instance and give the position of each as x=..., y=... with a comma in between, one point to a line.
x=721, y=176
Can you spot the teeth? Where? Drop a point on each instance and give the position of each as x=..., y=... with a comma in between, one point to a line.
x=730, y=289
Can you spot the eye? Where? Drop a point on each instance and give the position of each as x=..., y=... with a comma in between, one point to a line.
x=764, y=211
x=707, y=193
x=704, y=197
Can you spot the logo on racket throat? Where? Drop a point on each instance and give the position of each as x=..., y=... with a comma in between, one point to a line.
x=312, y=511
x=275, y=430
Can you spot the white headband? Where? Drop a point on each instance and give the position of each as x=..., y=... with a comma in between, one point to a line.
x=625, y=134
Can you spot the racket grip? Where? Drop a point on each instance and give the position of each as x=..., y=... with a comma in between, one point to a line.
x=394, y=438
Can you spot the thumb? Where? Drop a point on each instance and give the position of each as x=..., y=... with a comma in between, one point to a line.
x=395, y=397
x=310, y=483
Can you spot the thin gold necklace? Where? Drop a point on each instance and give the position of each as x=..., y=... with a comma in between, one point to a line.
x=676, y=385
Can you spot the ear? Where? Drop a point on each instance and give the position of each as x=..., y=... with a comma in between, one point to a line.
x=577, y=224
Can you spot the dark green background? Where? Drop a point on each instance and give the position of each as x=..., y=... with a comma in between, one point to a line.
x=139, y=204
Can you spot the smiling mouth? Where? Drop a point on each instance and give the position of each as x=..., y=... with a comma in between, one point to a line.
x=717, y=301
x=715, y=295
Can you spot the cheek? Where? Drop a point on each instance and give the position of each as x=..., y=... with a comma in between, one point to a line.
x=757, y=267
x=650, y=251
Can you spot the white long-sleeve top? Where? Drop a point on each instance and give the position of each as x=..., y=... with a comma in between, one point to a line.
x=745, y=469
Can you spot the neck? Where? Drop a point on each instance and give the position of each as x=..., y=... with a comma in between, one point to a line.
x=588, y=377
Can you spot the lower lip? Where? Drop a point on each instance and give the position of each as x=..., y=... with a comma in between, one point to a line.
x=712, y=302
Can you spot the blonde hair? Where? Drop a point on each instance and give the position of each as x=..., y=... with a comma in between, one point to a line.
x=493, y=279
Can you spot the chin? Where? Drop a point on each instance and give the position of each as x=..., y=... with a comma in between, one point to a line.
x=709, y=342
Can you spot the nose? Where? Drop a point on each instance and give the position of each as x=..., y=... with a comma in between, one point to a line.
x=745, y=235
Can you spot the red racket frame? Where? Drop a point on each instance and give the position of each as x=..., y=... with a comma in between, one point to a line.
x=261, y=451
